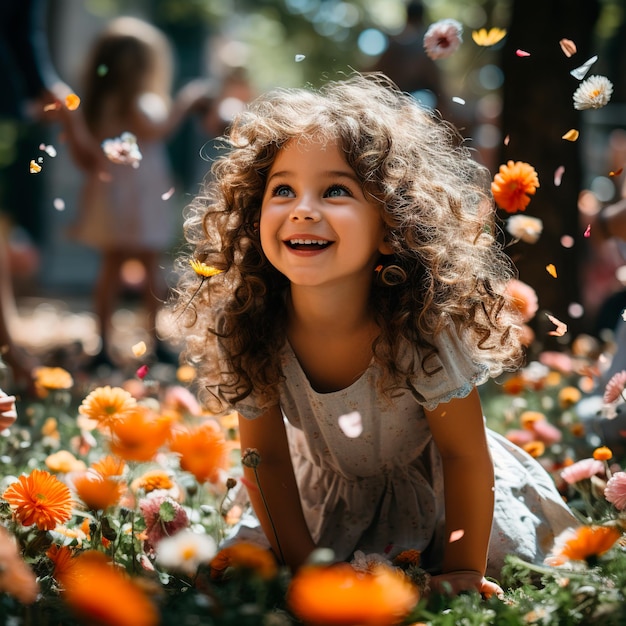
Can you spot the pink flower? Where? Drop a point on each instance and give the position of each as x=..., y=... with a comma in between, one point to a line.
x=615, y=491
x=520, y=437
x=557, y=361
x=443, y=38
x=181, y=399
x=614, y=387
x=546, y=432
x=163, y=515
x=581, y=470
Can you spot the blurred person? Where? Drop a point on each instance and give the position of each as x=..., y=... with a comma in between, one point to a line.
x=32, y=91
x=407, y=64
x=127, y=83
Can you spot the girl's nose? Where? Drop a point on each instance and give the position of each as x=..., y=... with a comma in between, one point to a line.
x=304, y=211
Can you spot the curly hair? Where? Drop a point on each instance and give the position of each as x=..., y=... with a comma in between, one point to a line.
x=435, y=204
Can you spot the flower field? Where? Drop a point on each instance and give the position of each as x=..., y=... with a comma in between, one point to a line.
x=126, y=492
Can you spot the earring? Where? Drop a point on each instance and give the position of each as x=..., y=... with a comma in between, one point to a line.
x=390, y=275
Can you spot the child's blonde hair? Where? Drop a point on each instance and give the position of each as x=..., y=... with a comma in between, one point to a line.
x=434, y=202
x=129, y=57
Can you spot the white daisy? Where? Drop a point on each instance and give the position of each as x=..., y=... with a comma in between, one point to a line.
x=185, y=551
x=443, y=38
x=525, y=228
x=593, y=93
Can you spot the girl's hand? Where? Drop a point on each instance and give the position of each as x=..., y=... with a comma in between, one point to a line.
x=8, y=413
x=454, y=583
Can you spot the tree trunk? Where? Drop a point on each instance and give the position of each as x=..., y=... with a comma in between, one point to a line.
x=537, y=111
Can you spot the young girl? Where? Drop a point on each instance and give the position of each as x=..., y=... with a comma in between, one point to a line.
x=360, y=303
x=127, y=85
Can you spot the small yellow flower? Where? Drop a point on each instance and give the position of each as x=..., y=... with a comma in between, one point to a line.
x=48, y=378
x=569, y=396
x=204, y=270
x=535, y=448
x=484, y=37
x=63, y=462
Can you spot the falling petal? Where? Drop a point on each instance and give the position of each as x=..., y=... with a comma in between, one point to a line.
x=139, y=349
x=455, y=535
x=72, y=102
x=458, y=100
x=561, y=328
x=53, y=106
x=49, y=150
x=35, y=168
x=351, y=424
x=568, y=47
x=484, y=37
x=558, y=175
x=300, y=57
x=522, y=53
x=571, y=135
x=551, y=269
x=624, y=315
x=59, y=204
x=142, y=372
x=587, y=232
x=168, y=194
x=616, y=172
x=506, y=140
x=581, y=71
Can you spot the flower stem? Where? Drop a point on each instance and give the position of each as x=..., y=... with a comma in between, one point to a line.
x=269, y=515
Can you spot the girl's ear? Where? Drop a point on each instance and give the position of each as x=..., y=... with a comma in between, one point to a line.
x=385, y=247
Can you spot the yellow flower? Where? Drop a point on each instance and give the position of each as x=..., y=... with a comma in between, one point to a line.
x=535, y=448
x=602, y=454
x=152, y=480
x=64, y=462
x=105, y=405
x=50, y=378
x=484, y=37
x=569, y=396
x=204, y=270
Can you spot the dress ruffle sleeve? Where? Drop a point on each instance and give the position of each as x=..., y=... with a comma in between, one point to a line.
x=454, y=373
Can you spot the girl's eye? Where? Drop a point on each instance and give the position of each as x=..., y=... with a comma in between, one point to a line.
x=337, y=191
x=282, y=191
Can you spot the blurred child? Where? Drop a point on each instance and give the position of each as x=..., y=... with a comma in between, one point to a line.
x=124, y=214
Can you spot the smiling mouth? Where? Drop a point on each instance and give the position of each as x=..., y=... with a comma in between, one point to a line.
x=308, y=244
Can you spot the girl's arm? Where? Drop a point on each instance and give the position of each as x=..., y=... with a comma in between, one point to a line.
x=275, y=497
x=458, y=431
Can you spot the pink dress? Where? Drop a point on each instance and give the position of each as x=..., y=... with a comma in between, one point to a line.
x=382, y=491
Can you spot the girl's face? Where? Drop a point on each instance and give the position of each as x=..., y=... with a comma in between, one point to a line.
x=317, y=228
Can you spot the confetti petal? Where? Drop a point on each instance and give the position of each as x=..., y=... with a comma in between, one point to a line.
x=522, y=53
x=571, y=135
x=300, y=58
x=568, y=47
x=455, y=535
x=142, y=372
x=168, y=194
x=558, y=175
x=139, y=349
x=49, y=150
x=458, y=100
x=34, y=167
x=551, y=269
x=616, y=172
x=351, y=424
x=506, y=140
x=587, y=232
x=581, y=71
x=59, y=204
x=72, y=102
x=561, y=328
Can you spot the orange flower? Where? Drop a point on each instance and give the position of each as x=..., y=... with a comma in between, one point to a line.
x=529, y=418
x=16, y=578
x=245, y=556
x=603, y=454
x=408, y=557
x=569, y=396
x=513, y=184
x=93, y=582
x=338, y=595
x=203, y=451
x=64, y=462
x=138, y=434
x=152, y=480
x=585, y=543
x=109, y=466
x=105, y=405
x=63, y=559
x=96, y=491
x=40, y=499
x=535, y=448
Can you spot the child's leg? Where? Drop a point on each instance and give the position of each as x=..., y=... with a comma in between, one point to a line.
x=107, y=294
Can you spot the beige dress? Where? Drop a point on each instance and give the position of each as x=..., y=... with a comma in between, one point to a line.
x=382, y=491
